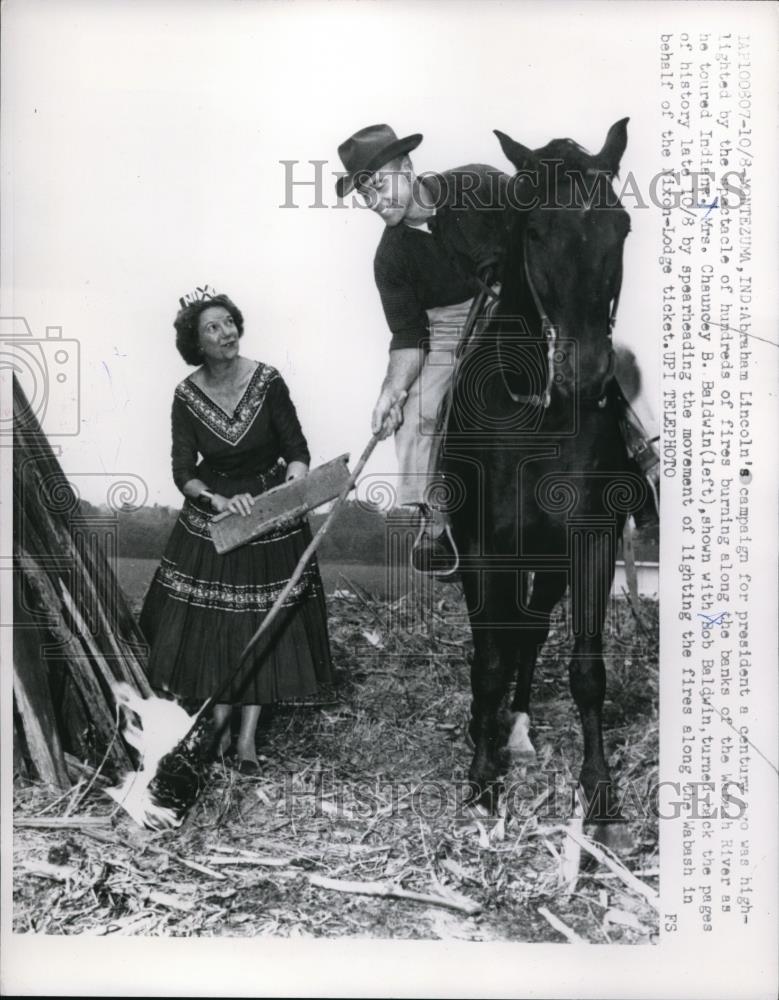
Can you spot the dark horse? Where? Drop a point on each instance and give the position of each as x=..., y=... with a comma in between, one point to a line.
x=534, y=450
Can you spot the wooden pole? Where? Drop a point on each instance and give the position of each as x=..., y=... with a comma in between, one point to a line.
x=81, y=668
x=33, y=698
x=46, y=507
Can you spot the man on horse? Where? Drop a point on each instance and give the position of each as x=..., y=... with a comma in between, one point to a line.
x=438, y=270
x=443, y=244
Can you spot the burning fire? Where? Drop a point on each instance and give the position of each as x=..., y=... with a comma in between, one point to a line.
x=162, y=724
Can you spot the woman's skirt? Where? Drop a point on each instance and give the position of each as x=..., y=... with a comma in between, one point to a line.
x=202, y=609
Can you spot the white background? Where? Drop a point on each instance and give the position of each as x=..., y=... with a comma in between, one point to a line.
x=141, y=149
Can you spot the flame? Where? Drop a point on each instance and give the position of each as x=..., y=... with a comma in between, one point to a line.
x=163, y=724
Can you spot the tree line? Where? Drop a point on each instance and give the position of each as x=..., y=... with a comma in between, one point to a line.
x=356, y=535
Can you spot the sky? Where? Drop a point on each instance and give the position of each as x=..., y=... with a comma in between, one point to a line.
x=145, y=153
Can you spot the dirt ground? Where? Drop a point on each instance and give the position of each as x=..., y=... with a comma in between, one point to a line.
x=357, y=825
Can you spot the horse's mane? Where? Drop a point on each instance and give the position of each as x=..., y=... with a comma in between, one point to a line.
x=574, y=156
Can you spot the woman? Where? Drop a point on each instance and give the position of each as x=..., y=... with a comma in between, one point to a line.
x=203, y=608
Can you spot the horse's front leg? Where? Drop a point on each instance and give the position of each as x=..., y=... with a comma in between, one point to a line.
x=587, y=673
x=592, y=576
x=548, y=588
x=490, y=598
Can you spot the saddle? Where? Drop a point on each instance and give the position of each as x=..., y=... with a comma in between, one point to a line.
x=640, y=448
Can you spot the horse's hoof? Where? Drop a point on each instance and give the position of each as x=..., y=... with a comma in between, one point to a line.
x=599, y=801
x=519, y=746
x=483, y=793
x=617, y=837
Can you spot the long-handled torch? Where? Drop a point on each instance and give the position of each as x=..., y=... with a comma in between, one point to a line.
x=178, y=780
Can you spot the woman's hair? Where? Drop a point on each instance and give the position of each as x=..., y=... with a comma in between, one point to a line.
x=186, y=320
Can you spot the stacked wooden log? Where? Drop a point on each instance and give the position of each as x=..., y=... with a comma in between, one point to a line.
x=74, y=635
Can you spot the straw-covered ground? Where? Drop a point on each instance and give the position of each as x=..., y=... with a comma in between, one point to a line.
x=357, y=825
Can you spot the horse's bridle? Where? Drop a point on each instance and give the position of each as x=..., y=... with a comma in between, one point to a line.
x=550, y=336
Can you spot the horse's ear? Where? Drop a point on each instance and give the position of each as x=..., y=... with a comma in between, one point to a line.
x=515, y=151
x=616, y=141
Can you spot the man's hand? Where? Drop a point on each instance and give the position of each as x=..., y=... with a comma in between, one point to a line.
x=388, y=412
x=403, y=368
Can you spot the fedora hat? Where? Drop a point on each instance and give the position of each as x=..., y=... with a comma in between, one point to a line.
x=368, y=150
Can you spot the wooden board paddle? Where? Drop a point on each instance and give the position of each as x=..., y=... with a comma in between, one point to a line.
x=280, y=505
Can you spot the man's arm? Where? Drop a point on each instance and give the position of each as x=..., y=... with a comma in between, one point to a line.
x=402, y=370
x=407, y=321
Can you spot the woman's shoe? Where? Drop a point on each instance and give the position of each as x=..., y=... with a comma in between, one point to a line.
x=226, y=756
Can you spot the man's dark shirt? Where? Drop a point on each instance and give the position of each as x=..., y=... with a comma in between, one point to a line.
x=417, y=270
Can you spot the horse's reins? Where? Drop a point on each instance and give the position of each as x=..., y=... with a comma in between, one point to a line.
x=550, y=336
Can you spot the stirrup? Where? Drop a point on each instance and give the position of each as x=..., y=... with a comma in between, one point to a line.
x=651, y=477
x=439, y=574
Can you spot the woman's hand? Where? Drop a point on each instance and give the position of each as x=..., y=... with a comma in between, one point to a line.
x=241, y=503
x=295, y=470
